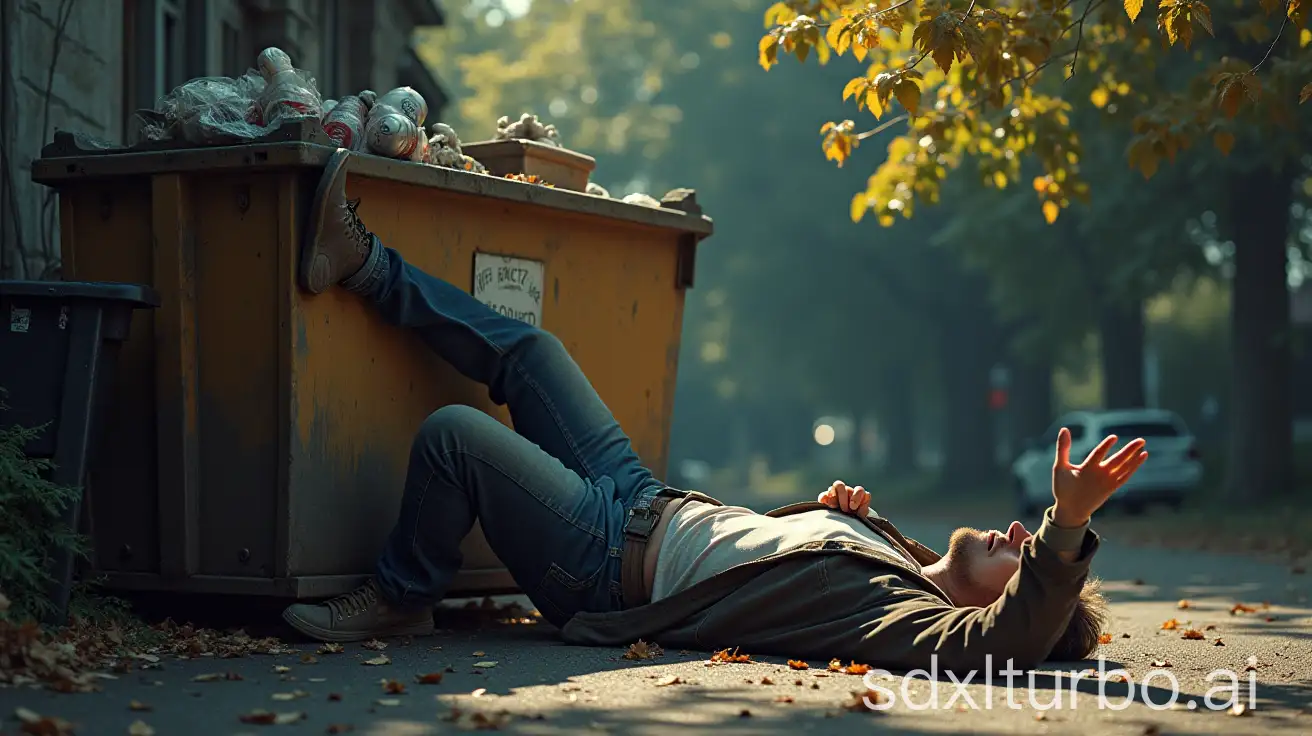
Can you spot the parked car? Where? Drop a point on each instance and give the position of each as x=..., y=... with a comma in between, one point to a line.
x=1172, y=472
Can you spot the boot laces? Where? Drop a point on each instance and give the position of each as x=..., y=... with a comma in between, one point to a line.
x=355, y=227
x=353, y=603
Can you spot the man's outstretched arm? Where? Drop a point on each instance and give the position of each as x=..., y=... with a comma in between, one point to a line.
x=1021, y=627
x=917, y=630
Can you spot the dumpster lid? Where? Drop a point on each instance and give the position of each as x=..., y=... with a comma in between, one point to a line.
x=139, y=295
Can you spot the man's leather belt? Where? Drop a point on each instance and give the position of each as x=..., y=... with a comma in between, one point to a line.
x=637, y=531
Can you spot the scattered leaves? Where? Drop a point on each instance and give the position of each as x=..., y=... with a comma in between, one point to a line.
x=1218, y=642
x=643, y=650
x=331, y=648
x=36, y=724
x=1192, y=634
x=140, y=728
x=375, y=644
x=1171, y=625
x=667, y=681
x=217, y=676
x=862, y=700
x=1183, y=604
x=430, y=678
x=1104, y=638
x=489, y=664
x=1160, y=663
x=293, y=695
x=1241, y=608
x=281, y=669
x=480, y=654
x=393, y=687
x=380, y=660
x=724, y=656
x=137, y=705
x=766, y=681
x=261, y=717
x=798, y=664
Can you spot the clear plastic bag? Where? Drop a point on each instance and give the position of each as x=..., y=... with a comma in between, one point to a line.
x=216, y=110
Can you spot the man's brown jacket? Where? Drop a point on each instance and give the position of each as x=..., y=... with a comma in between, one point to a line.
x=837, y=600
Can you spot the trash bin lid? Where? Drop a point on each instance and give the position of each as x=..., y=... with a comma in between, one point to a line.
x=139, y=295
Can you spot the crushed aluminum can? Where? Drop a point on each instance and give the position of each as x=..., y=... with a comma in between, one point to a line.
x=344, y=124
x=391, y=133
x=408, y=101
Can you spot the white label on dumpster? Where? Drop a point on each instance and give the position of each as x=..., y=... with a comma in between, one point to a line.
x=19, y=319
x=511, y=286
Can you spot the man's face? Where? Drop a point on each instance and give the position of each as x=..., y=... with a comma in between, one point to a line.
x=983, y=562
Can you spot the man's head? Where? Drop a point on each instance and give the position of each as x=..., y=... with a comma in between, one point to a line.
x=978, y=565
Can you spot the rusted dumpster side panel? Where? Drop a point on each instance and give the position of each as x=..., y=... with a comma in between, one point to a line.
x=106, y=235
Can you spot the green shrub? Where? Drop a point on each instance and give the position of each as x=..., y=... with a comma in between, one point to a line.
x=30, y=523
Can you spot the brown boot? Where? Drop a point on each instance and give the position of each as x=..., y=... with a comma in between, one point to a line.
x=337, y=245
x=358, y=615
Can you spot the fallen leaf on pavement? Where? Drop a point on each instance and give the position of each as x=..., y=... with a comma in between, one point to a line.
x=316, y=679
x=330, y=648
x=309, y=659
x=744, y=713
x=667, y=681
x=335, y=728
x=1218, y=642
x=725, y=657
x=1125, y=636
x=138, y=705
x=259, y=717
x=1192, y=634
x=1116, y=678
x=39, y=725
x=1252, y=664
x=281, y=669
x=140, y=728
x=835, y=665
x=815, y=686
x=485, y=665
x=393, y=687
x=797, y=683
x=293, y=695
x=766, y=681
x=375, y=645
x=1170, y=625
x=217, y=676
x=1104, y=638
x=798, y=664
x=479, y=692
x=643, y=650
x=858, y=699
x=431, y=678
x=853, y=668
x=1241, y=608
x=480, y=654
x=1183, y=604
x=1160, y=663
x=376, y=661
x=783, y=699
x=388, y=702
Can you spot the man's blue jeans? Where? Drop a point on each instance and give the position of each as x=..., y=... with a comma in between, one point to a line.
x=552, y=495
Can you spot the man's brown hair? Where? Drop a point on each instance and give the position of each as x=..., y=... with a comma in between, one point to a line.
x=1087, y=623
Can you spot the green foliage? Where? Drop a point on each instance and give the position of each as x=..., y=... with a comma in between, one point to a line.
x=30, y=523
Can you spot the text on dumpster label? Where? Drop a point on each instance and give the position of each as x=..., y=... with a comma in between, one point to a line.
x=511, y=286
x=19, y=319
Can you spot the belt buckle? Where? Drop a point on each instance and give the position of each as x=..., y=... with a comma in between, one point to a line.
x=641, y=523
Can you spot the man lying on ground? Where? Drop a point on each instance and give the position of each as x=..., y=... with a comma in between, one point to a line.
x=610, y=554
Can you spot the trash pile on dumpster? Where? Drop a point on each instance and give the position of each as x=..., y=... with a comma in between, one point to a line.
x=224, y=110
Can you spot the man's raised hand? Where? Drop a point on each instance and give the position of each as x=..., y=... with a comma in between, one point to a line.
x=848, y=499
x=1080, y=490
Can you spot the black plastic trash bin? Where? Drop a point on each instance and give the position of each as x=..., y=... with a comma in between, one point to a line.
x=59, y=345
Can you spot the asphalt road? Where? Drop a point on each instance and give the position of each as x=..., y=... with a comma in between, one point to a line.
x=540, y=686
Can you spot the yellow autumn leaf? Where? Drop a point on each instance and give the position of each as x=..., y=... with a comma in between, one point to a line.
x=1050, y=211
x=908, y=93
x=1099, y=97
x=1133, y=8
x=1224, y=142
x=1304, y=37
x=769, y=48
x=1305, y=94
x=835, y=36
x=854, y=87
x=859, y=206
x=999, y=180
x=778, y=14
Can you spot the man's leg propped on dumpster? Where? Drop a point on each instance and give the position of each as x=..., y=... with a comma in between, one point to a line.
x=552, y=495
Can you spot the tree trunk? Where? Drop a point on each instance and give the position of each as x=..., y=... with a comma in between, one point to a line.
x=1031, y=398
x=897, y=421
x=1121, y=329
x=969, y=350
x=1261, y=433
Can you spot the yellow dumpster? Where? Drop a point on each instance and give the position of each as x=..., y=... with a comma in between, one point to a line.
x=261, y=434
